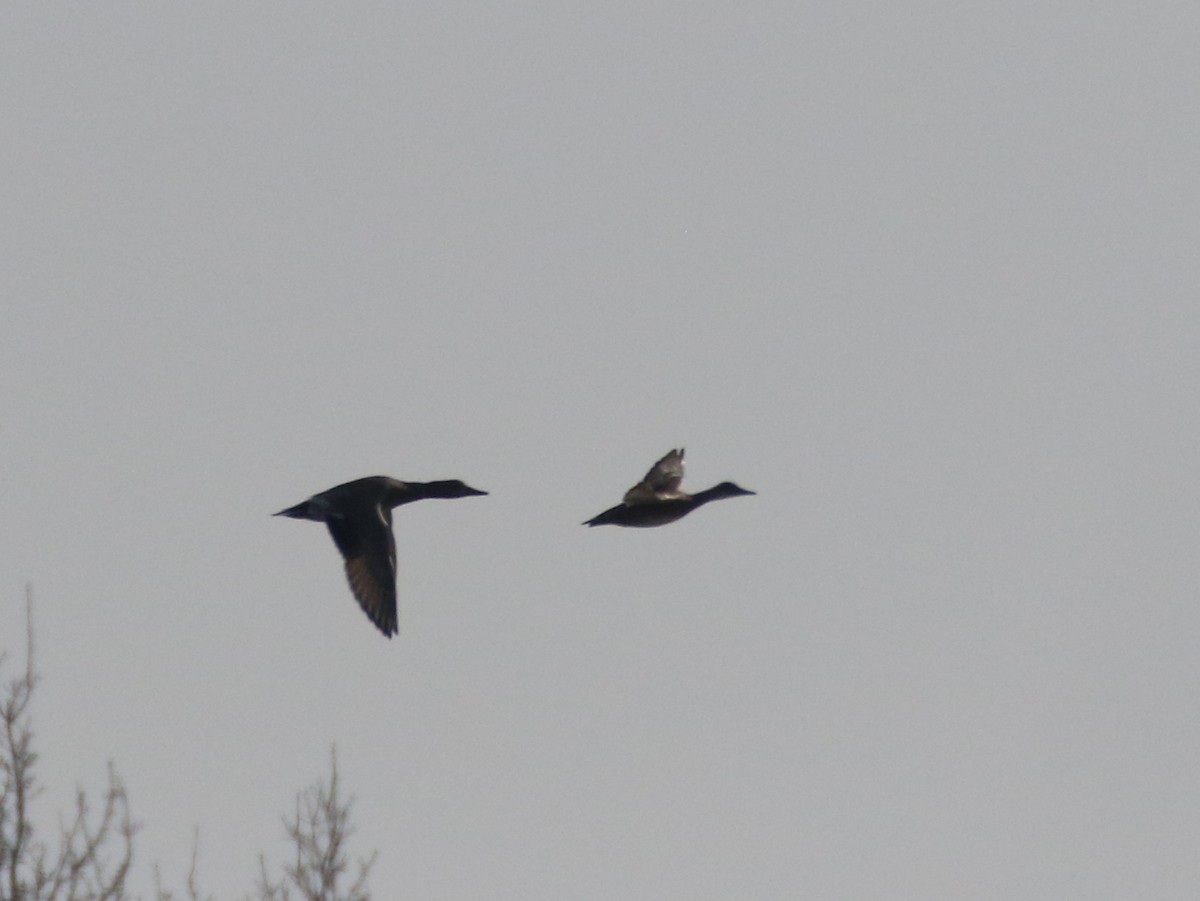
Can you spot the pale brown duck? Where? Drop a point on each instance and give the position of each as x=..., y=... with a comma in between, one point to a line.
x=656, y=500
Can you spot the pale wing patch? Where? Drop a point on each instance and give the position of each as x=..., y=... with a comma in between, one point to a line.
x=641, y=493
x=661, y=482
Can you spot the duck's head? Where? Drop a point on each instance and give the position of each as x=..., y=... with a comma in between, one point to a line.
x=451, y=488
x=729, y=489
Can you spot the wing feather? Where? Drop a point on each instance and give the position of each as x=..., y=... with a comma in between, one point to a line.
x=662, y=481
x=369, y=548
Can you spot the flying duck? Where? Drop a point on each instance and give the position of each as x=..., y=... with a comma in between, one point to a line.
x=359, y=517
x=656, y=500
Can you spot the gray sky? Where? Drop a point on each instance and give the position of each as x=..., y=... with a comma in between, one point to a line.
x=923, y=275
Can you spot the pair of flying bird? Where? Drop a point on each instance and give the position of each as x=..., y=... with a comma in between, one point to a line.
x=359, y=517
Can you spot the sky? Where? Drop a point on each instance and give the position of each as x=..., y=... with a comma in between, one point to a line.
x=922, y=275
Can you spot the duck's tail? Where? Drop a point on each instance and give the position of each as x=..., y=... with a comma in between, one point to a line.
x=608, y=517
x=303, y=510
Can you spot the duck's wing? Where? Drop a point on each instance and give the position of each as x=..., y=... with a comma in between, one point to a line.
x=663, y=480
x=369, y=548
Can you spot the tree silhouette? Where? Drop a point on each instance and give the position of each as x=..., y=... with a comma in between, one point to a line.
x=319, y=831
x=93, y=854
x=94, y=849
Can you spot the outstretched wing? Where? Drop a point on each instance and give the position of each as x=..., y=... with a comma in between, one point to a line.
x=369, y=548
x=663, y=480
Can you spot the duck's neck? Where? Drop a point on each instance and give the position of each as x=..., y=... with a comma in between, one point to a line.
x=717, y=492
x=708, y=494
x=416, y=491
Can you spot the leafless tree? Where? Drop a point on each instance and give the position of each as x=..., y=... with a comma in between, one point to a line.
x=191, y=887
x=319, y=831
x=93, y=854
x=94, y=849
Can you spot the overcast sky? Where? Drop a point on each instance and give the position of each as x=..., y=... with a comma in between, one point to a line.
x=923, y=275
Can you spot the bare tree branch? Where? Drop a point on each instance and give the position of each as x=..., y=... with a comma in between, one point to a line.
x=17, y=759
x=192, y=886
x=319, y=831
x=94, y=854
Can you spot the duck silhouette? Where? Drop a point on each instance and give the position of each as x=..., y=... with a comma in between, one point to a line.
x=359, y=517
x=656, y=500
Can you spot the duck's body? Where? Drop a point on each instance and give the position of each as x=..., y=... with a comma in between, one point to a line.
x=657, y=500
x=359, y=517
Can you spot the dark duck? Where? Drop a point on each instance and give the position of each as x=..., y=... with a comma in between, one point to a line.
x=656, y=500
x=359, y=517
